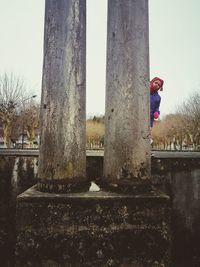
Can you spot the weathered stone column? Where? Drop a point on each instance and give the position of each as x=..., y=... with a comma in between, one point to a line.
x=127, y=144
x=93, y=228
x=62, y=156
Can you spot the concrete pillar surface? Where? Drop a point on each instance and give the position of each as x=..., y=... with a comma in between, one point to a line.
x=127, y=144
x=62, y=154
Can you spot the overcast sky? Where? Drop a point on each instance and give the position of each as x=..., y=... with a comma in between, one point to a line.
x=174, y=47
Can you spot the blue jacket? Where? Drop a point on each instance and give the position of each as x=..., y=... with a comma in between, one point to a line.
x=154, y=105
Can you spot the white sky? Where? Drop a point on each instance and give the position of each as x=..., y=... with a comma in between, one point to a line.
x=174, y=47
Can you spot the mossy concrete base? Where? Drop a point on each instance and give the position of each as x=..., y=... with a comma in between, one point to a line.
x=92, y=229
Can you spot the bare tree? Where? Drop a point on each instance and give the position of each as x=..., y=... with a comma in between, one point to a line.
x=190, y=109
x=95, y=130
x=12, y=91
x=170, y=132
x=30, y=121
x=181, y=129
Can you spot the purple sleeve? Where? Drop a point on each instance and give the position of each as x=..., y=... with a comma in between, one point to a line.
x=157, y=105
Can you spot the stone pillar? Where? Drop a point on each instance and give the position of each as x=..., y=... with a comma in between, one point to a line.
x=62, y=154
x=127, y=144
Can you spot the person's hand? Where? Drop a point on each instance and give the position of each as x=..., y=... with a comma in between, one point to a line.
x=156, y=115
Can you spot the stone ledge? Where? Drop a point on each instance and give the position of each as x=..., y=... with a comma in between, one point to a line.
x=33, y=194
x=100, y=153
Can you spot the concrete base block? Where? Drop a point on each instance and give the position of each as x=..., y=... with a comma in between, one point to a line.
x=92, y=229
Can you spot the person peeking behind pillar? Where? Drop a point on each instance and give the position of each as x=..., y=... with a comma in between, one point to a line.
x=156, y=84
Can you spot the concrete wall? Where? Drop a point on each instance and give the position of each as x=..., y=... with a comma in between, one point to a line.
x=176, y=173
x=17, y=173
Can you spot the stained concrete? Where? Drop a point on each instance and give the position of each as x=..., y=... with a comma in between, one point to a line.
x=127, y=136
x=93, y=229
x=175, y=173
x=63, y=105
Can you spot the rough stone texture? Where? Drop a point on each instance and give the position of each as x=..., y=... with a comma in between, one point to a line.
x=175, y=173
x=62, y=153
x=127, y=145
x=92, y=229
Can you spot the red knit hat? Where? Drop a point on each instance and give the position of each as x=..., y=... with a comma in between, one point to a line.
x=153, y=80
